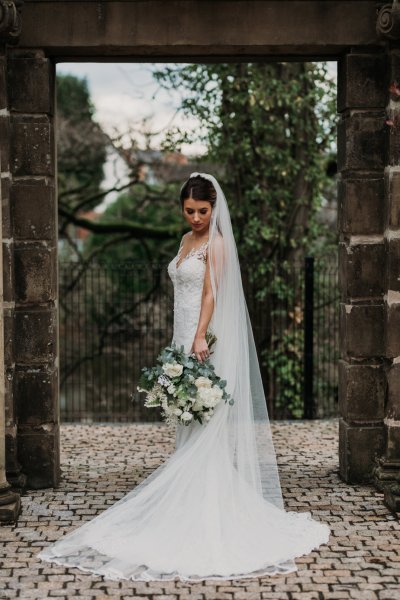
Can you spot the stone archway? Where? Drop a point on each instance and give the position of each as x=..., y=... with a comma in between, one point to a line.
x=369, y=195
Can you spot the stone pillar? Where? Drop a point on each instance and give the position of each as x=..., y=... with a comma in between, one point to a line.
x=34, y=224
x=10, y=504
x=388, y=467
x=362, y=82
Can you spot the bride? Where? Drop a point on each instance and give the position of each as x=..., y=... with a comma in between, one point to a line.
x=214, y=508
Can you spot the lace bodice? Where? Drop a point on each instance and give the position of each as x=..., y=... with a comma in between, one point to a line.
x=187, y=275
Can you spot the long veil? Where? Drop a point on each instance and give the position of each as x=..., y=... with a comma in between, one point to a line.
x=235, y=359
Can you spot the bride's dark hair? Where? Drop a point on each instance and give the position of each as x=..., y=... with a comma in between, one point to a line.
x=198, y=188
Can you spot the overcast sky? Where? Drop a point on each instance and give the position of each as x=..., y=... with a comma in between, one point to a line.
x=125, y=93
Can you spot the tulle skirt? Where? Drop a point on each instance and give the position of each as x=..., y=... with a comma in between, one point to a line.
x=193, y=518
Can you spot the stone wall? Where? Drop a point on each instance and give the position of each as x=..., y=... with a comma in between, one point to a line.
x=33, y=344
x=388, y=467
x=362, y=95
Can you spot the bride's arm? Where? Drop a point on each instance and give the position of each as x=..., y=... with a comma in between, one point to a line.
x=200, y=346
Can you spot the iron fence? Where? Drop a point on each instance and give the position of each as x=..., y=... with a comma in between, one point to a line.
x=114, y=319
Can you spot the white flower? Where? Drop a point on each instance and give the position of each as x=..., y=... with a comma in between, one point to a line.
x=209, y=397
x=186, y=416
x=177, y=411
x=169, y=410
x=203, y=382
x=171, y=388
x=172, y=369
x=198, y=405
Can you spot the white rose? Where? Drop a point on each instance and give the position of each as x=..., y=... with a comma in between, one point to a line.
x=203, y=382
x=198, y=405
x=186, y=416
x=208, y=397
x=172, y=369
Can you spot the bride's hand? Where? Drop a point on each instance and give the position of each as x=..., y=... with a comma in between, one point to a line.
x=200, y=348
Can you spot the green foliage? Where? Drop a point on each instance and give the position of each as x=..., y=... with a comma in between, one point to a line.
x=81, y=144
x=287, y=367
x=270, y=126
x=157, y=205
x=73, y=98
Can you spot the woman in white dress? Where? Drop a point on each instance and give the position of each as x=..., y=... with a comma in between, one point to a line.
x=214, y=508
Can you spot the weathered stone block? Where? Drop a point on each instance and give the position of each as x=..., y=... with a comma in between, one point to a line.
x=363, y=81
x=361, y=392
x=394, y=65
x=35, y=336
x=32, y=146
x=5, y=205
x=393, y=441
x=30, y=85
x=392, y=199
x=38, y=453
x=362, y=141
x=8, y=271
x=360, y=206
x=9, y=397
x=392, y=329
x=5, y=143
x=36, y=392
x=3, y=87
x=358, y=448
x=393, y=263
x=362, y=270
x=393, y=141
x=393, y=400
x=8, y=337
x=11, y=448
x=361, y=330
x=35, y=272
x=33, y=209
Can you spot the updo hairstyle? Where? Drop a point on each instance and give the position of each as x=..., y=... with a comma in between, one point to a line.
x=198, y=188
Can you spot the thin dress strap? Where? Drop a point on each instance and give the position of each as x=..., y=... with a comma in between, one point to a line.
x=180, y=247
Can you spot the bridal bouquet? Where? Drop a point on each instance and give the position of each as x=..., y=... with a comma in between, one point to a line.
x=186, y=388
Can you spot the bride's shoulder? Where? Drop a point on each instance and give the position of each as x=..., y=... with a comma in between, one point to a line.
x=184, y=238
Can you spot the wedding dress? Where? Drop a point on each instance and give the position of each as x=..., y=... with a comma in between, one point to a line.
x=211, y=510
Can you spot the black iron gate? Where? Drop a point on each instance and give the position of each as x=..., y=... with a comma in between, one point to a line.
x=114, y=319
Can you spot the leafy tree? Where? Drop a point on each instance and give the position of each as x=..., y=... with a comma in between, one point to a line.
x=270, y=125
x=81, y=144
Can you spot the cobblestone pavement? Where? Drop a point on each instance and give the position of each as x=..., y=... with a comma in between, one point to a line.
x=102, y=463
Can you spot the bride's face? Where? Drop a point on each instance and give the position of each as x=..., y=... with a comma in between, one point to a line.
x=198, y=214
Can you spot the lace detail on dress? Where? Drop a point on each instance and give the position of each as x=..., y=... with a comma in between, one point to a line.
x=200, y=252
x=187, y=278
